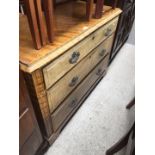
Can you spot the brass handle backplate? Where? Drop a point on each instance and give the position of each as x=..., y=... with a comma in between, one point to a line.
x=74, y=58
x=73, y=81
x=93, y=37
x=99, y=72
x=73, y=103
x=108, y=32
x=102, y=52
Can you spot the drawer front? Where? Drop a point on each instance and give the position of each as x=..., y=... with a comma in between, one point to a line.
x=64, y=86
x=73, y=100
x=64, y=63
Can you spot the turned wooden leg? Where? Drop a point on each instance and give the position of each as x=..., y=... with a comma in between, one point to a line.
x=121, y=143
x=32, y=20
x=130, y=104
x=49, y=15
x=41, y=23
x=54, y=4
x=89, y=9
x=99, y=8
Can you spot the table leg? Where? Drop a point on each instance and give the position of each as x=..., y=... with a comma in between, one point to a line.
x=32, y=19
x=89, y=9
x=99, y=8
x=49, y=15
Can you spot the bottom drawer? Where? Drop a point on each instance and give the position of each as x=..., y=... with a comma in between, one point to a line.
x=72, y=101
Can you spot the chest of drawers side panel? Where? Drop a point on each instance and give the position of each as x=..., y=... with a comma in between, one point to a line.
x=36, y=87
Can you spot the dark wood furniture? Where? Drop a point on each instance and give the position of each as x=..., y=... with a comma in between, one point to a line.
x=125, y=23
x=30, y=138
x=41, y=15
x=99, y=8
x=130, y=104
x=32, y=19
x=127, y=140
x=49, y=16
x=99, y=11
x=37, y=10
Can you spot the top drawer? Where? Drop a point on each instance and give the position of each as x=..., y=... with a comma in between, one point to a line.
x=55, y=70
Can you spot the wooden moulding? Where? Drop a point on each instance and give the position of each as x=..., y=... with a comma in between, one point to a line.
x=37, y=91
x=32, y=19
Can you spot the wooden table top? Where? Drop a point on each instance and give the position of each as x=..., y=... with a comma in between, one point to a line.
x=70, y=27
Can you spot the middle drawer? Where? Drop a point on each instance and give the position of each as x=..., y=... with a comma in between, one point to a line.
x=64, y=86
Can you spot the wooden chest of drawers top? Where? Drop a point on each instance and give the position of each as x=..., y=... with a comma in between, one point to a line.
x=69, y=31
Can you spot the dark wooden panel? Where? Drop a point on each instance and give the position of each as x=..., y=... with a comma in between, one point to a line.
x=124, y=24
x=123, y=4
x=30, y=137
x=22, y=103
x=26, y=126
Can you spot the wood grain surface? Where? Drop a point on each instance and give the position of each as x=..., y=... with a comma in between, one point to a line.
x=33, y=25
x=99, y=8
x=70, y=28
x=72, y=101
x=60, y=66
x=41, y=23
x=89, y=9
x=38, y=96
x=30, y=138
x=62, y=88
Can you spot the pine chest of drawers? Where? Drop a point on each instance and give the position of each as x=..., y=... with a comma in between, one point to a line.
x=61, y=75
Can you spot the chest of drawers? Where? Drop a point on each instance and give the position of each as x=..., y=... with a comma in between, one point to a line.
x=61, y=75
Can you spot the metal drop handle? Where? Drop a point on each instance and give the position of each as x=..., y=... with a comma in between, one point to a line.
x=74, y=57
x=73, y=81
x=108, y=32
x=93, y=37
x=102, y=52
x=99, y=72
x=73, y=103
